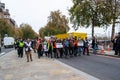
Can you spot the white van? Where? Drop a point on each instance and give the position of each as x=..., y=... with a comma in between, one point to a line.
x=8, y=42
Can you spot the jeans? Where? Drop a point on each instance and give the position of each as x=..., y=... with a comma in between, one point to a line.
x=80, y=50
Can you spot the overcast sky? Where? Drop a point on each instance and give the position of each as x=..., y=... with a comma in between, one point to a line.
x=35, y=12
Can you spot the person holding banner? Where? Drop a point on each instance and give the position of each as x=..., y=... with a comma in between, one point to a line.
x=59, y=48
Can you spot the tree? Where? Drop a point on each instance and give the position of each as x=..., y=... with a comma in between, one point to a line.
x=18, y=33
x=27, y=31
x=87, y=12
x=112, y=8
x=57, y=24
x=41, y=32
x=6, y=28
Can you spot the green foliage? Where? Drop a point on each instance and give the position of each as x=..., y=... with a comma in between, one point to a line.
x=89, y=12
x=98, y=13
x=27, y=31
x=6, y=28
x=112, y=9
x=57, y=24
x=18, y=33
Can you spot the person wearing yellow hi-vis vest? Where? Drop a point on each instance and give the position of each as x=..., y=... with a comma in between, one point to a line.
x=20, y=48
x=50, y=49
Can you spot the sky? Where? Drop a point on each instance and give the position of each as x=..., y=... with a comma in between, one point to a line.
x=36, y=12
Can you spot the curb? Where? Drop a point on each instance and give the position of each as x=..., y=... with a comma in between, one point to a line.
x=88, y=76
x=109, y=55
x=98, y=53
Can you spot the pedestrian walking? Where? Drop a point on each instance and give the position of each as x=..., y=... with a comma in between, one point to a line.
x=75, y=47
x=45, y=47
x=80, y=46
x=39, y=49
x=50, y=49
x=17, y=46
x=94, y=45
x=86, y=47
x=55, y=49
x=34, y=42
x=71, y=47
x=21, y=46
x=66, y=47
x=28, y=50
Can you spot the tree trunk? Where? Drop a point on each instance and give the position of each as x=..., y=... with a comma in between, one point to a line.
x=113, y=29
x=92, y=30
x=114, y=20
x=93, y=22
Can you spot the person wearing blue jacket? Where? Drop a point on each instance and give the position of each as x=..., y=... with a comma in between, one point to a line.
x=66, y=47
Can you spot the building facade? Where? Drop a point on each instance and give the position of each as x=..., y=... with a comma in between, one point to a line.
x=4, y=14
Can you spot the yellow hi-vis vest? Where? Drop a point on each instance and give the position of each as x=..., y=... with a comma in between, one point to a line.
x=21, y=44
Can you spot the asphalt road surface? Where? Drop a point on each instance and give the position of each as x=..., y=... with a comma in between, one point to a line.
x=102, y=67
x=5, y=51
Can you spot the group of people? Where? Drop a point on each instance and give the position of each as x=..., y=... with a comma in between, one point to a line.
x=59, y=48
x=20, y=45
x=53, y=48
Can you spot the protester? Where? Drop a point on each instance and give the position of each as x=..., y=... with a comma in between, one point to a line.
x=80, y=46
x=66, y=47
x=20, y=48
x=45, y=47
x=39, y=49
x=50, y=49
x=71, y=47
x=94, y=45
x=86, y=47
x=28, y=50
x=54, y=49
x=75, y=47
x=34, y=42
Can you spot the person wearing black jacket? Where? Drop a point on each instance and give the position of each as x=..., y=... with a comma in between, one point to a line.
x=39, y=50
x=86, y=46
x=114, y=45
x=94, y=45
x=118, y=45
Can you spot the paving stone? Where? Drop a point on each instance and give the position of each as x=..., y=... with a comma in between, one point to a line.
x=14, y=68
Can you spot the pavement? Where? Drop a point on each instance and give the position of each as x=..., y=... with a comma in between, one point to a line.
x=14, y=68
x=108, y=53
x=105, y=52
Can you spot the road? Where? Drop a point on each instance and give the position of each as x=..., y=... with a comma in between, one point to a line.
x=5, y=51
x=104, y=68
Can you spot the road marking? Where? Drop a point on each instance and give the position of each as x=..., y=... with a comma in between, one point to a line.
x=2, y=53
